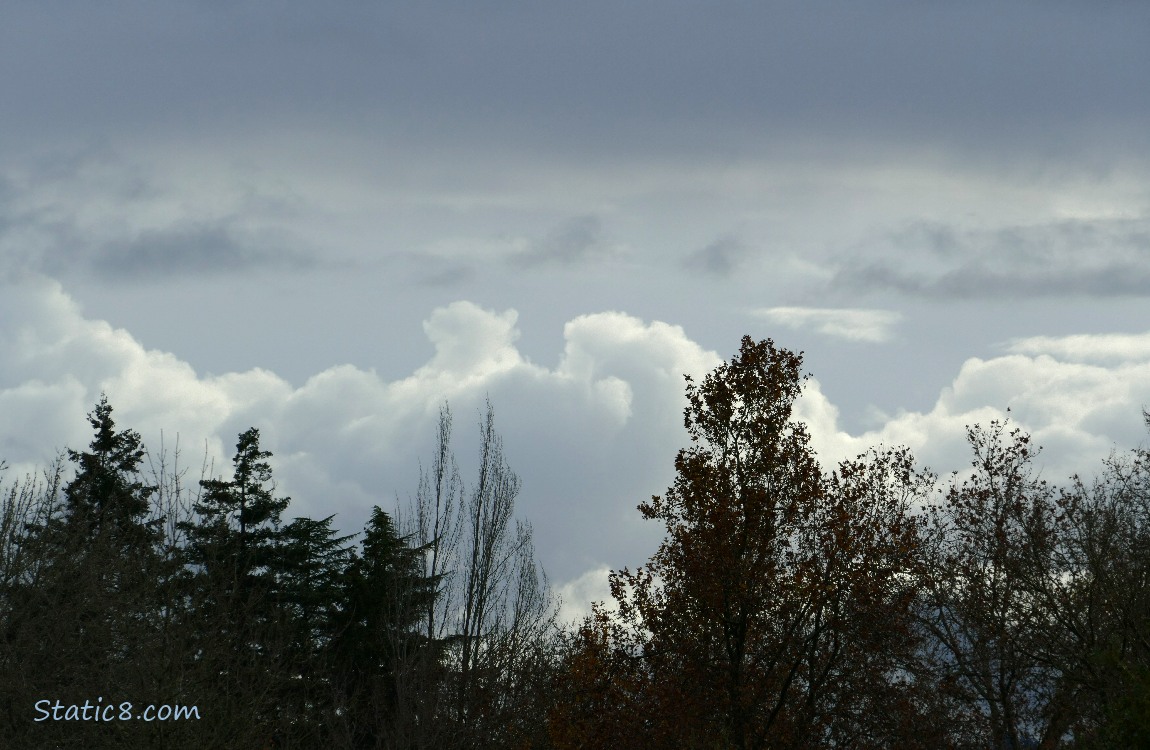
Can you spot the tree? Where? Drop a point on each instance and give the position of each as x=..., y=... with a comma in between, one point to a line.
x=308, y=587
x=107, y=496
x=238, y=621
x=30, y=617
x=762, y=616
x=105, y=560
x=493, y=613
x=987, y=596
x=89, y=603
x=386, y=669
x=1094, y=623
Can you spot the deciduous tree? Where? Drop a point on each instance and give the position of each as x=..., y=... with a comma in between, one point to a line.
x=776, y=609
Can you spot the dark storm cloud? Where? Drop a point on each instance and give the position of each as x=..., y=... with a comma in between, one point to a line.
x=62, y=249
x=575, y=242
x=69, y=212
x=589, y=77
x=202, y=248
x=720, y=258
x=1102, y=258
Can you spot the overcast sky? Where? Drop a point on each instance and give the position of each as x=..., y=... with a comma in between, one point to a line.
x=323, y=219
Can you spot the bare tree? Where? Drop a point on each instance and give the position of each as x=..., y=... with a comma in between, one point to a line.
x=494, y=608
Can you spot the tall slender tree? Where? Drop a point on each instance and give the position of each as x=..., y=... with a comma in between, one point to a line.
x=493, y=614
x=242, y=631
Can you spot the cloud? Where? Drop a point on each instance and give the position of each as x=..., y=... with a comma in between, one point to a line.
x=576, y=242
x=93, y=212
x=576, y=594
x=870, y=326
x=696, y=78
x=591, y=435
x=977, y=280
x=1101, y=348
x=588, y=435
x=193, y=248
x=1082, y=257
x=449, y=276
x=720, y=258
x=1078, y=412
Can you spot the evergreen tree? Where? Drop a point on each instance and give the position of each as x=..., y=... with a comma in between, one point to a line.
x=94, y=604
x=107, y=498
x=238, y=623
x=106, y=561
x=309, y=583
x=388, y=670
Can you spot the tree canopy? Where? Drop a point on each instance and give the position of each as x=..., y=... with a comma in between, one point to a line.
x=868, y=604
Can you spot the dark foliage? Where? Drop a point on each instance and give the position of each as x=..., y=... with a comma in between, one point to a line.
x=866, y=605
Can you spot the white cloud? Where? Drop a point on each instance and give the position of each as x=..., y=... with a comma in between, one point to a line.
x=577, y=594
x=588, y=436
x=1078, y=412
x=871, y=326
x=1110, y=347
x=591, y=437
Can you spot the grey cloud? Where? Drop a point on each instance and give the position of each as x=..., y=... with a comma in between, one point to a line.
x=1102, y=258
x=977, y=281
x=200, y=248
x=590, y=77
x=65, y=212
x=720, y=258
x=575, y=242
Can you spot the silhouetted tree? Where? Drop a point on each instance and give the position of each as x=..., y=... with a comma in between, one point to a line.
x=91, y=603
x=494, y=612
x=778, y=605
x=995, y=539
x=387, y=671
x=240, y=625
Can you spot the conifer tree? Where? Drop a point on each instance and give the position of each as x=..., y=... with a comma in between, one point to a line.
x=388, y=671
x=239, y=624
x=309, y=572
x=94, y=605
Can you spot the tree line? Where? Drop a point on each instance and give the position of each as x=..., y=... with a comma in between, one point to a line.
x=871, y=604
x=122, y=582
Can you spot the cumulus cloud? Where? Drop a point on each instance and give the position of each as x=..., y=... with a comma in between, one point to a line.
x=576, y=594
x=871, y=326
x=591, y=435
x=1078, y=412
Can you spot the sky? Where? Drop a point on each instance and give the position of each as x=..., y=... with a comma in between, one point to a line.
x=325, y=219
